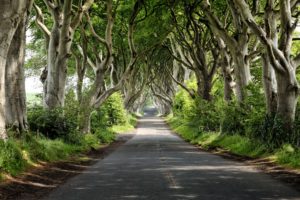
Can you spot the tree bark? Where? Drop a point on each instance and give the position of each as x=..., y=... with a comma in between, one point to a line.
x=12, y=86
x=226, y=71
x=60, y=40
x=238, y=47
x=15, y=81
x=287, y=84
x=287, y=100
x=270, y=85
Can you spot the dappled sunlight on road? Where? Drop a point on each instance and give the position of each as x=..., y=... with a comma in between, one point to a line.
x=156, y=164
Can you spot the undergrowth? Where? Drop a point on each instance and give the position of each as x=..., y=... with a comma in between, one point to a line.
x=287, y=154
x=54, y=135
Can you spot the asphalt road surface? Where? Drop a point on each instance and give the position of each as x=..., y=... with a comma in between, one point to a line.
x=155, y=164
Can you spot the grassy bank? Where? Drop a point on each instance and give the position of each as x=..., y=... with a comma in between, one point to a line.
x=240, y=145
x=18, y=154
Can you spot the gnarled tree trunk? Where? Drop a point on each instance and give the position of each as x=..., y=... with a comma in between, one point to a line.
x=12, y=83
x=15, y=81
x=270, y=85
x=59, y=46
x=279, y=56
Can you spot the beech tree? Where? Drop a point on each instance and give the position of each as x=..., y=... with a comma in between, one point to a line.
x=234, y=48
x=13, y=20
x=59, y=41
x=196, y=48
x=278, y=52
x=237, y=43
x=99, y=92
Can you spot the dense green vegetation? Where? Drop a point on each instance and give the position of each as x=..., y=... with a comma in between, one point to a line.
x=240, y=129
x=226, y=70
x=54, y=136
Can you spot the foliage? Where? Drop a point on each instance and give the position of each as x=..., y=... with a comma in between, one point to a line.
x=91, y=140
x=17, y=154
x=112, y=112
x=236, y=144
x=232, y=119
x=50, y=123
x=71, y=108
x=288, y=155
x=105, y=136
x=197, y=111
x=248, y=119
x=11, y=160
x=183, y=105
x=33, y=99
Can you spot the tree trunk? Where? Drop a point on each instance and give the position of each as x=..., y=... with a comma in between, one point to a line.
x=204, y=86
x=242, y=75
x=85, y=121
x=12, y=46
x=5, y=41
x=54, y=93
x=15, y=81
x=207, y=85
x=270, y=87
x=61, y=38
x=287, y=100
x=88, y=102
x=80, y=69
x=228, y=81
x=287, y=85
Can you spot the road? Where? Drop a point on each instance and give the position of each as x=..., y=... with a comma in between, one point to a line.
x=156, y=164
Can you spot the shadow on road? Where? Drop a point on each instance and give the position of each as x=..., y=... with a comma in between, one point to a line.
x=158, y=165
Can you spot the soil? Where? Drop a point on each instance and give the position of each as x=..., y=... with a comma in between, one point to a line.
x=40, y=180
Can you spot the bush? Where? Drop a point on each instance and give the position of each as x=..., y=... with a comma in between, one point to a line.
x=105, y=136
x=183, y=105
x=91, y=140
x=112, y=112
x=52, y=124
x=71, y=109
x=207, y=115
x=232, y=121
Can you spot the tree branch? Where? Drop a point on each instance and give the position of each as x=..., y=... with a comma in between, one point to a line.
x=40, y=22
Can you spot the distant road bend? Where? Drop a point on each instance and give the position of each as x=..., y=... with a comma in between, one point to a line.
x=155, y=164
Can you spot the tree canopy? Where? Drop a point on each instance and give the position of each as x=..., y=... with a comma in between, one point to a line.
x=217, y=50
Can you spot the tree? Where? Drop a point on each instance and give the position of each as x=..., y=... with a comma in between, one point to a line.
x=279, y=55
x=99, y=93
x=13, y=21
x=236, y=43
x=59, y=42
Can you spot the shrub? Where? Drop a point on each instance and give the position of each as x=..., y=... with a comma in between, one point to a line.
x=183, y=105
x=112, y=112
x=207, y=115
x=105, y=136
x=52, y=124
x=91, y=140
x=71, y=109
x=232, y=120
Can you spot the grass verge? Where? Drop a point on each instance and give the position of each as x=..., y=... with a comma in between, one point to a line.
x=16, y=155
x=287, y=155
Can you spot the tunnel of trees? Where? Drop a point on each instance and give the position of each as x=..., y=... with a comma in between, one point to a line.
x=227, y=66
